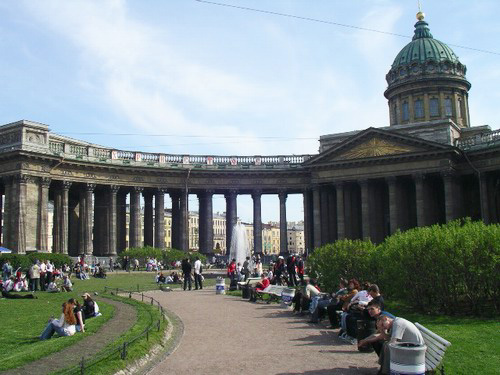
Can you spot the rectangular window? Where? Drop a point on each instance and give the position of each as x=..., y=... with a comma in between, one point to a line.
x=406, y=115
x=419, y=108
x=434, y=107
x=459, y=108
x=447, y=107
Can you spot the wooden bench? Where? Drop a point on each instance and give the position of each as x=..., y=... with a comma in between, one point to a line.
x=251, y=281
x=273, y=291
x=436, y=347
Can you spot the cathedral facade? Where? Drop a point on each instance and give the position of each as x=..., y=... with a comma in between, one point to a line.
x=428, y=166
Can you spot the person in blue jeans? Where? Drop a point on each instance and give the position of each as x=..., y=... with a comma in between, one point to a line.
x=65, y=326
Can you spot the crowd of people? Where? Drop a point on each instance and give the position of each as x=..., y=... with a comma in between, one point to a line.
x=356, y=309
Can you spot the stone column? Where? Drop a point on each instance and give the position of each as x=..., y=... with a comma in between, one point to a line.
x=112, y=224
x=393, y=203
x=283, y=224
x=316, y=217
x=43, y=218
x=184, y=220
x=231, y=217
x=365, y=208
x=135, y=238
x=64, y=218
x=6, y=211
x=308, y=238
x=160, y=219
x=339, y=189
x=176, y=217
x=324, y=215
x=17, y=214
x=484, y=198
x=202, y=222
x=257, y=221
x=1, y=220
x=121, y=226
x=89, y=214
x=56, y=222
x=148, y=218
x=450, y=195
x=206, y=223
x=420, y=199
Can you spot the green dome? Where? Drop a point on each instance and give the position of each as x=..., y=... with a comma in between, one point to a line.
x=424, y=48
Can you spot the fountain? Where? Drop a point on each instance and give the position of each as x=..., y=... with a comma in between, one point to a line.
x=239, y=248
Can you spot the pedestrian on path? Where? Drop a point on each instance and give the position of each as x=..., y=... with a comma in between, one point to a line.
x=198, y=278
x=186, y=270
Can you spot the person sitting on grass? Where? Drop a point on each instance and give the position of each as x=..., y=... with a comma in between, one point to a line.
x=161, y=279
x=90, y=308
x=65, y=326
x=67, y=285
x=7, y=289
x=52, y=287
x=259, y=287
x=78, y=311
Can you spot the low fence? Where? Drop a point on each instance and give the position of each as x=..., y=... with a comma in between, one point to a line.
x=121, y=351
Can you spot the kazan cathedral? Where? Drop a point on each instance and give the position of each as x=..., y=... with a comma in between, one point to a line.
x=428, y=166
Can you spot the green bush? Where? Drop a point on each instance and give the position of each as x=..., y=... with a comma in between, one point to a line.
x=446, y=268
x=26, y=260
x=167, y=256
x=344, y=258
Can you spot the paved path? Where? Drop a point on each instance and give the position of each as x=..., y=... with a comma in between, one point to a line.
x=124, y=317
x=228, y=335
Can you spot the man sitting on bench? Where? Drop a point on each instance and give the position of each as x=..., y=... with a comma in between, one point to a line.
x=260, y=286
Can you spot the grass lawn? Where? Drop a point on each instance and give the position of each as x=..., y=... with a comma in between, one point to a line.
x=475, y=343
x=23, y=321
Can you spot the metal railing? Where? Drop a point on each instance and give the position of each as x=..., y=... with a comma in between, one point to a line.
x=119, y=351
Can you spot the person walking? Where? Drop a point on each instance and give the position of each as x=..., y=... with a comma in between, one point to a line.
x=186, y=271
x=246, y=268
x=198, y=278
x=111, y=265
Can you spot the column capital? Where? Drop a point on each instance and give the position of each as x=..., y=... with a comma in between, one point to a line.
x=147, y=194
x=419, y=176
x=22, y=178
x=282, y=194
x=338, y=184
x=90, y=187
x=161, y=191
x=363, y=182
x=65, y=185
x=391, y=180
x=256, y=193
x=114, y=189
x=138, y=189
x=448, y=173
x=231, y=193
x=45, y=181
x=315, y=188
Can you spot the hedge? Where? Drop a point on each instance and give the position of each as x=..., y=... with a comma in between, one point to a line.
x=446, y=268
x=26, y=260
x=168, y=256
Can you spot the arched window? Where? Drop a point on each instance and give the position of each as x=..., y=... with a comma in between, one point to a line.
x=434, y=107
x=419, y=108
x=406, y=115
x=447, y=107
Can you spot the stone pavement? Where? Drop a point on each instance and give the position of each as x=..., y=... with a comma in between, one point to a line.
x=228, y=335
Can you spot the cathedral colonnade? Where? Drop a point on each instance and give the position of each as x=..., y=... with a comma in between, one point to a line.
x=91, y=218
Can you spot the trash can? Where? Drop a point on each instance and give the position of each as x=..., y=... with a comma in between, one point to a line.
x=245, y=291
x=220, y=286
x=286, y=297
x=365, y=329
x=407, y=358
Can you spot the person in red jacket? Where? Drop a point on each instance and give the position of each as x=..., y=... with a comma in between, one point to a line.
x=261, y=285
x=231, y=270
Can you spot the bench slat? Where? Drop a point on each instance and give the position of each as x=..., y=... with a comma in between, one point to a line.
x=436, y=351
x=429, y=365
x=433, y=343
x=433, y=358
x=433, y=335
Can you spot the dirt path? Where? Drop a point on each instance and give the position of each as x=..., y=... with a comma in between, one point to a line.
x=124, y=317
x=228, y=335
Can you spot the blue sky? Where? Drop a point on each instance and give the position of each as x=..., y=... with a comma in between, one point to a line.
x=200, y=73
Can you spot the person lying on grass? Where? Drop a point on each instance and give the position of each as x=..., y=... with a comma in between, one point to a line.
x=65, y=326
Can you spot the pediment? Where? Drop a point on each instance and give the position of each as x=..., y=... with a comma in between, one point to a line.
x=375, y=143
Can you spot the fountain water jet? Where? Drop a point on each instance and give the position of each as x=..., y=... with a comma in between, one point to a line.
x=239, y=248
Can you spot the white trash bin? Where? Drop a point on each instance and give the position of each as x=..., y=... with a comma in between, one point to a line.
x=220, y=286
x=286, y=298
x=407, y=358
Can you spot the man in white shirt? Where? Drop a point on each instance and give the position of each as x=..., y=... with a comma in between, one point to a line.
x=198, y=279
x=43, y=270
x=48, y=274
x=398, y=330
